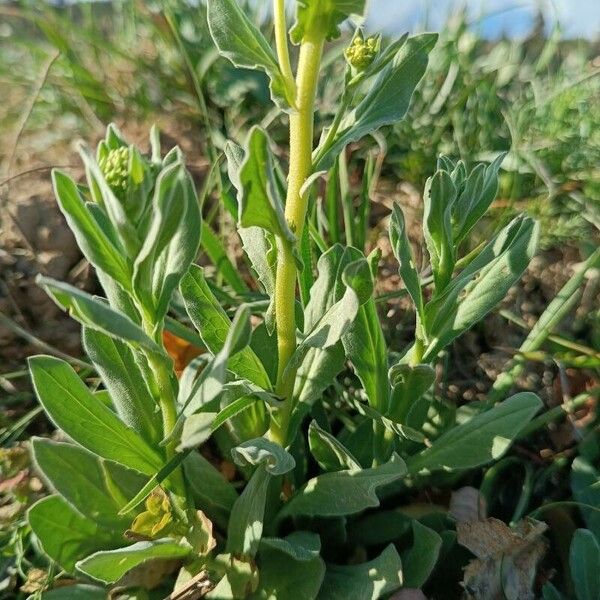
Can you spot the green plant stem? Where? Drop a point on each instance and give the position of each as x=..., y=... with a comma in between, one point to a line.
x=168, y=406
x=301, y=146
x=281, y=43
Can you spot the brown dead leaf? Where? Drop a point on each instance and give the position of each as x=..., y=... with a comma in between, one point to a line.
x=467, y=504
x=506, y=561
x=181, y=351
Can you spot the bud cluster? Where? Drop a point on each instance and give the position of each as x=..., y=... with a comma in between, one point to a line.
x=361, y=53
x=115, y=168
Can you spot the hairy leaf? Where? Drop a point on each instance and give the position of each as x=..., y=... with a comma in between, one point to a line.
x=367, y=581
x=344, y=492
x=483, y=438
x=245, y=46
x=110, y=565
x=75, y=410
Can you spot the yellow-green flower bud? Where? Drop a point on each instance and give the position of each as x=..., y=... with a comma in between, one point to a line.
x=361, y=53
x=115, y=168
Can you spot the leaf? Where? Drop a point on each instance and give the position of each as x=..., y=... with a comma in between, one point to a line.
x=75, y=410
x=260, y=202
x=321, y=365
x=439, y=198
x=507, y=557
x=368, y=581
x=212, y=379
x=96, y=314
x=478, y=193
x=79, y=591
x=109, y=566
x=80, y=478
x=64, y=534
x=387, y=101
x=261, y=451
x=482, y=285
x=290, y=568
x=366, y=349
x=246, y=520
x=584, y=559
x=344, y=492
x=328, y=451
x=586, y=490
x=323, y=17
x=97, y=247
x=409, y=385
x=420, y=560
x=172, y=240
x=124, y=380
x=332, y=325
x=245, y=46
x=114, y=208
x=483, y=438
x=260, y=248
x=213, y=246
x=403, y=252
x=213, y=324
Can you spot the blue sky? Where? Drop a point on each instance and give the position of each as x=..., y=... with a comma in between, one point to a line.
x=493, y=17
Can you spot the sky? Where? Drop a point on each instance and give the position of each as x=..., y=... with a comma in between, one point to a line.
x=577, y=18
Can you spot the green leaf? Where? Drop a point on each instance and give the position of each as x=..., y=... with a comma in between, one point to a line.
x=75, y=410
x=246, y=521
x=549, y=592
x=439, y=198
x=261, y=451
x=245, y=46
x=213, y=246
x=80, y=478
x=260, y=203
x=172, y=240
x=409, y=384
x=213, y=324
x=115, y=363
x=584, y=559
x=333, y=324
x=261, y=249
x=97, y=247
x=368, y=581
x=403, y=253
x=96, y=314
x=290, y=568
x=482, y=285
x=112, y=205
x=387, y=101
x=585, y=483
x=328, y=451
x=321, y=365
x=475, y=197
x=109, y=566
x=483, y=438
x=80, y=591
x=323, y=17
x=419, y=562
x=65, y=535
x=344, y=492
x=366, y=349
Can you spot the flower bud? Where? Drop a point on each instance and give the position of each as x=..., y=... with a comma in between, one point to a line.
x=115, y=168
x=361, y=53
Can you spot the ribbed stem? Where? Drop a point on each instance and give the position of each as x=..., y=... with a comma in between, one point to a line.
x=301, y=147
